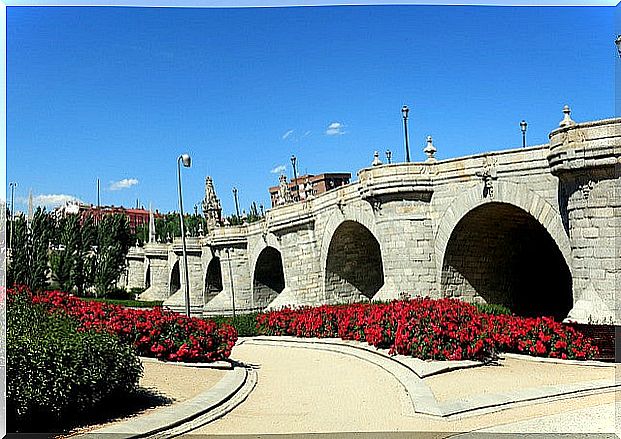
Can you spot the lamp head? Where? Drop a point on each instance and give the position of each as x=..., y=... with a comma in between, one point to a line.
x=405, y=110
x=186, y=160
x=523, y=126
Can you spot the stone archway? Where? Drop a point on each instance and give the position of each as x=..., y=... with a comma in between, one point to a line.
x=268, y=279
x=501, y=254
x=353, y=268
x=175, y=279
x=213, y=279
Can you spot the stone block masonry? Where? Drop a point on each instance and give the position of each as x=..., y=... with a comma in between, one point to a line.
x=535, y=229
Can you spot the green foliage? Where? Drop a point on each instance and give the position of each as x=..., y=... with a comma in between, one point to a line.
x=118, y=294
x=169, y=226
x=245, y=324
x=29, y=259
x=55, y=372
x=493, y=309
x=113, y=242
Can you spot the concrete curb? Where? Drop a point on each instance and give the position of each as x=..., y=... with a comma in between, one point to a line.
x=422, y=368
x=422, y=399
x=592, y=363
x=230, y=391
x=225, y=365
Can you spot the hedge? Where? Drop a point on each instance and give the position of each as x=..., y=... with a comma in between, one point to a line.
x=54, y=370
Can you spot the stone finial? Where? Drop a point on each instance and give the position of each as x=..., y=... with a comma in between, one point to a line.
x=430, y=150
x=567, y=119
x=376, y=160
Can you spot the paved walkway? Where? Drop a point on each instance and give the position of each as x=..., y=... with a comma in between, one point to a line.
x=311, y=391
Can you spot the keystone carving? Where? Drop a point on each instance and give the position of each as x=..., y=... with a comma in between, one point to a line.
x=488, y=174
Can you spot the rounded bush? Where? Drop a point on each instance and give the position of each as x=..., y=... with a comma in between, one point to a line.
x=55, y=370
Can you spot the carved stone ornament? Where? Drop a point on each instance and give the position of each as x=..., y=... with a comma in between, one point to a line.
x=488, y=174
x=586, y=188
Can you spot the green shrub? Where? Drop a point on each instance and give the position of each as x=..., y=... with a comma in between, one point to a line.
x=245, y=324
x=118, y=294
x=493, y=309
x=55, y=373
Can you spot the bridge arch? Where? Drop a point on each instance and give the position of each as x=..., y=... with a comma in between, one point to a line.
x=213, y=279
x=268, y=277
x=175, y=279
x=511, y=249
x=351, y=256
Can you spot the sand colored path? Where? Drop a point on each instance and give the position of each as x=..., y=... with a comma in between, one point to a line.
x=310, y=391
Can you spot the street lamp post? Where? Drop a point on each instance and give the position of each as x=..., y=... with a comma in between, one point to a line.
x=404, y=111
x=187, y=162
x=228, y=256
x=523, y=126
x=12, y=185
x=388, y=156
x=236, y=203
x=295, y=176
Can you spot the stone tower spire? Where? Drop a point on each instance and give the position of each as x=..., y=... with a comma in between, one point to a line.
x=284, y=193
x=212, y=208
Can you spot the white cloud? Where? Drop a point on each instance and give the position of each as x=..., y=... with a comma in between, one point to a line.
x=279, y=169
x=287, y=134
x=123, y=184
x=50, y=200
x=335, y=129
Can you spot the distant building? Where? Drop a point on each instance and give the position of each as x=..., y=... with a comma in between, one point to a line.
x=307, y=186
x=136, y=216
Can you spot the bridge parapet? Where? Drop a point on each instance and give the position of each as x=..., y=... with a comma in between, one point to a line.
x=585, y=145
x=411, y=181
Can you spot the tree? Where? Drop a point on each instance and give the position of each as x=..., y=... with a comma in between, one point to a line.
x=29, y=259
x=82, y=271
x=113, y=242
x=66, y=241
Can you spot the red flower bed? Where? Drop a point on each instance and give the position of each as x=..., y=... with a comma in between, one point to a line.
x=153, y=332
x=443, y=329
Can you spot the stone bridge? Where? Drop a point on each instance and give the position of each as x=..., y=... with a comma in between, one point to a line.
x=534, y=228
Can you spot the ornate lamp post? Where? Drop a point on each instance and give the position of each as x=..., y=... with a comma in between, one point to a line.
x=295, y=176
x=523, y=126
x=187, y=162
x=236, y=203
x=404, y=111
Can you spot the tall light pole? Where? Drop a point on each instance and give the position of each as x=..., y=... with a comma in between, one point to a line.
x=404, y=111
x=295, y=176
x=236, y=203
x=187, y=162
x=228, y=257
x=12, y=185
x=523, y=126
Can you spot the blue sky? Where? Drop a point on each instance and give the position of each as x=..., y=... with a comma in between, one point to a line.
x=118, y=93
